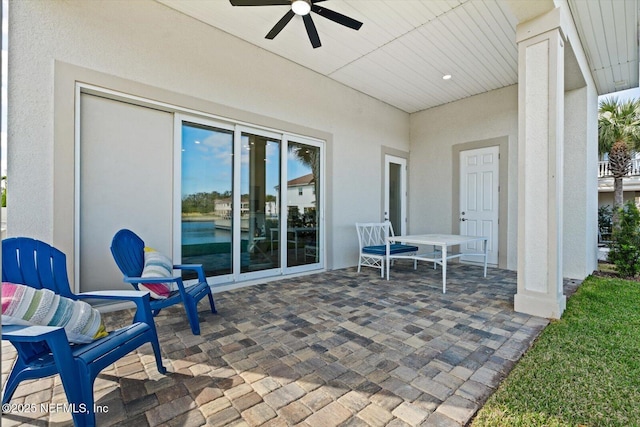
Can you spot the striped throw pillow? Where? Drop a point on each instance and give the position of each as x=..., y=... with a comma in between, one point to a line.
x=156, y=265
x=24, y=305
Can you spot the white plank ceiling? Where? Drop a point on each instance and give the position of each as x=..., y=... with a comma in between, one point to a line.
x=405, y=47
x=610, y=30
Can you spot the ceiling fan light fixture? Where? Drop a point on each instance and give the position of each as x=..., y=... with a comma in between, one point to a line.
x=301, y=7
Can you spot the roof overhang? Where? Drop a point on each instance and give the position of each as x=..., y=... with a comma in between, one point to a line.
x=404, y=48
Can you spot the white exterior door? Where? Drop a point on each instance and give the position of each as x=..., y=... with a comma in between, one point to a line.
x=395, y=193
x=479, y=200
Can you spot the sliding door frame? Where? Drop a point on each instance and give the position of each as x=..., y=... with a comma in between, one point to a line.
x=321, y=252
x=285, y=139
x=179, y=119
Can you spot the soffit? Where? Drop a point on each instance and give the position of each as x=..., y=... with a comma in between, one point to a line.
x=404, y=48
x=609, y=31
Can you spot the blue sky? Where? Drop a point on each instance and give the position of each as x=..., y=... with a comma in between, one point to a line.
x=207, y=162
x=623, y=95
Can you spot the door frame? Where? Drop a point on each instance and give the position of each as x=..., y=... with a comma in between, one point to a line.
x=402, y=159
x=503, y=149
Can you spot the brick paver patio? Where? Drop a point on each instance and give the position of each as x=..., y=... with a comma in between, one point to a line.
x=329, y=349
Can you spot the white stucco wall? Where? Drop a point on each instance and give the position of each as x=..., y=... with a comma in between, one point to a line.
x=433, y=134
x=490, y=115
x=580, y=183
x=145, y=42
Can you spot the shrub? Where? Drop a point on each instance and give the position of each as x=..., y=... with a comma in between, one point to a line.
x=625, y=249
x=3, y=197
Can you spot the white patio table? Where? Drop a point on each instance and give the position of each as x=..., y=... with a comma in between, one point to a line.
x=441, y=242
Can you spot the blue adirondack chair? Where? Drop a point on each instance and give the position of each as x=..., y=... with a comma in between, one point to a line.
x=43, y=351
x=128, y=251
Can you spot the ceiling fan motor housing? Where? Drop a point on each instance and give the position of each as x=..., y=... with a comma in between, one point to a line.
x=302, y=8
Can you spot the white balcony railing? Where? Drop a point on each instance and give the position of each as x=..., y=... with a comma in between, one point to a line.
x=603, y=169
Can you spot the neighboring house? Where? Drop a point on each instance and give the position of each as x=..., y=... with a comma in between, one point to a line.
x=301, y=193
x=224, y=207
x=631, y=183
x=104, y=95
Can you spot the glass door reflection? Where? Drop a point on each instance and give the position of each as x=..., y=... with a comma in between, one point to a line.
x=303, y=204
x=260, y=211
x=207, y=190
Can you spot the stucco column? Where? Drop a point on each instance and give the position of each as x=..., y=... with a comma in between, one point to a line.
x=540, y=162
x=581, y=182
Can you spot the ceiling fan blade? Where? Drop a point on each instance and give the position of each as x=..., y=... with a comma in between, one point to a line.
x=280, y=25
x=260, y=2
x=311, y=31
x=336, y=17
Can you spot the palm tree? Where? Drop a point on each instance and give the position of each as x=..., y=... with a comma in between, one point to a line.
x=310, y=157
x=619, y=136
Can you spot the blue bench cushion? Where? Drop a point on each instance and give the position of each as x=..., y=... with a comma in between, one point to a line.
x=394, y=249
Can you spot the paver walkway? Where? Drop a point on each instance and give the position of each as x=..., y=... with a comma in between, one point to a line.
x=335, y=348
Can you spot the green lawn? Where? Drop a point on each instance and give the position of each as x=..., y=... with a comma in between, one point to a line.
x=584, y=370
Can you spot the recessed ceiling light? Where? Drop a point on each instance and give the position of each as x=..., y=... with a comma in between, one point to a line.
x=446, y=77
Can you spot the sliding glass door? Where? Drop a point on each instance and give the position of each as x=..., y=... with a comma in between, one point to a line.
x=206, y=197
x=303, y=204
x=250, y=201
x=259, y=215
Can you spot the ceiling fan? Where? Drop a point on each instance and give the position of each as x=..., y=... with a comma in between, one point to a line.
x=302, y=8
